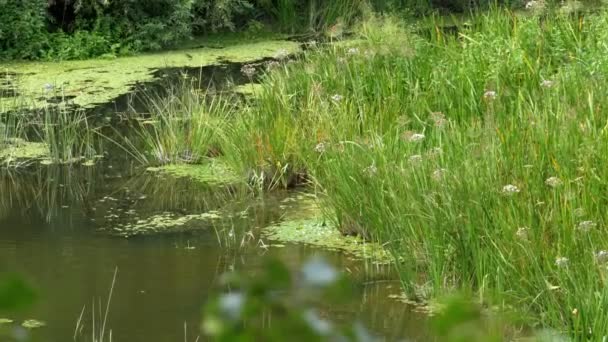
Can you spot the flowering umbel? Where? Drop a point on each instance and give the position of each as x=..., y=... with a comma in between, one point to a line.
x=510, y=189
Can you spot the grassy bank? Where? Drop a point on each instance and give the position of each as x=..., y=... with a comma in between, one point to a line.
x=479, y=158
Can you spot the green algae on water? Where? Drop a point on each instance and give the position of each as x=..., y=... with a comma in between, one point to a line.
x=317, y=232
x=166, y=223
x=16, y=149
x=213, y=172
x=91, y=82
x=5, y=321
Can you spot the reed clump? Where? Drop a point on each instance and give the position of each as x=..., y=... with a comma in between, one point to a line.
x=479, y=158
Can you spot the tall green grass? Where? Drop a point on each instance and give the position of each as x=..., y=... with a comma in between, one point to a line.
x=480, y=159
x=66, y=134
x=184, y=126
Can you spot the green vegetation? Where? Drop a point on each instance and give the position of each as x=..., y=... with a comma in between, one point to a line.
x=70, y=29
x=478, y=159
x=475, y=155
x=93, y=82
x=73, y=29
x=53, y=135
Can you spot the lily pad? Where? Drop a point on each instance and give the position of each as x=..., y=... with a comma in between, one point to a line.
x=33, y=324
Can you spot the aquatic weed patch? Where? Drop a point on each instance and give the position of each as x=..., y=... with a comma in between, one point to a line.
x=15, y=150
x=165, y=223
x=92, y=82
x=319, y=233
x=212, y=172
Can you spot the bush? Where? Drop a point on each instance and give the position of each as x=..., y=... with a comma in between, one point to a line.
x=23, y=31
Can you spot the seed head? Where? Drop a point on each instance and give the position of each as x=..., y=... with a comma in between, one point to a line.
x=248, y=70
x=415, y=159
x=416, y=137
x=601, y=256
x=439, y=119
x=337, y=97
x=438, y=174
x=321, y=147
x=553, y=182
x=579, y=212
x=510, y=189
x=522, y=233
x=561, y=262
x=586, y=226
x=272, y=64
x=371, y=170
x=489, y=95
x=547, y=83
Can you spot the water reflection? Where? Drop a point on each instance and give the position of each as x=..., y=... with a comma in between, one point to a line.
x=53, y=229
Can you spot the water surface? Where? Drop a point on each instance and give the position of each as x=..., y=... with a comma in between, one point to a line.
x=56, y=230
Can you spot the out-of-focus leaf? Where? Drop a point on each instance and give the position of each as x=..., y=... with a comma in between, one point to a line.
x=15, y=293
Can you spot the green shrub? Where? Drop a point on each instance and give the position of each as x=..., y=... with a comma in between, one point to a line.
x=23, y=29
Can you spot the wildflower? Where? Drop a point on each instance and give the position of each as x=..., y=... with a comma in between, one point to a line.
x=510, y=189
x=371, y=170
x=547, y=83
x=522, y=233
x=352, y=51
x=337, y=97
x=489, y=95
x=553, y=182
x=586, y=226
x=281, y=54
x=438, y=118
x=416, y=137
x=321, y=147
x=438, y=174
x=415, y=159
x=561, y=262
x=601, y=256
x=575, y=311
x=248, y=70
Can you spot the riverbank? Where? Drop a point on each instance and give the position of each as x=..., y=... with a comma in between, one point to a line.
x=477, y=157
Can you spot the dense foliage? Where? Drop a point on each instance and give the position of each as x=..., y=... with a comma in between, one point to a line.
x=78, y=29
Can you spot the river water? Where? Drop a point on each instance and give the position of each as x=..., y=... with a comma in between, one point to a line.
x=58, y=229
